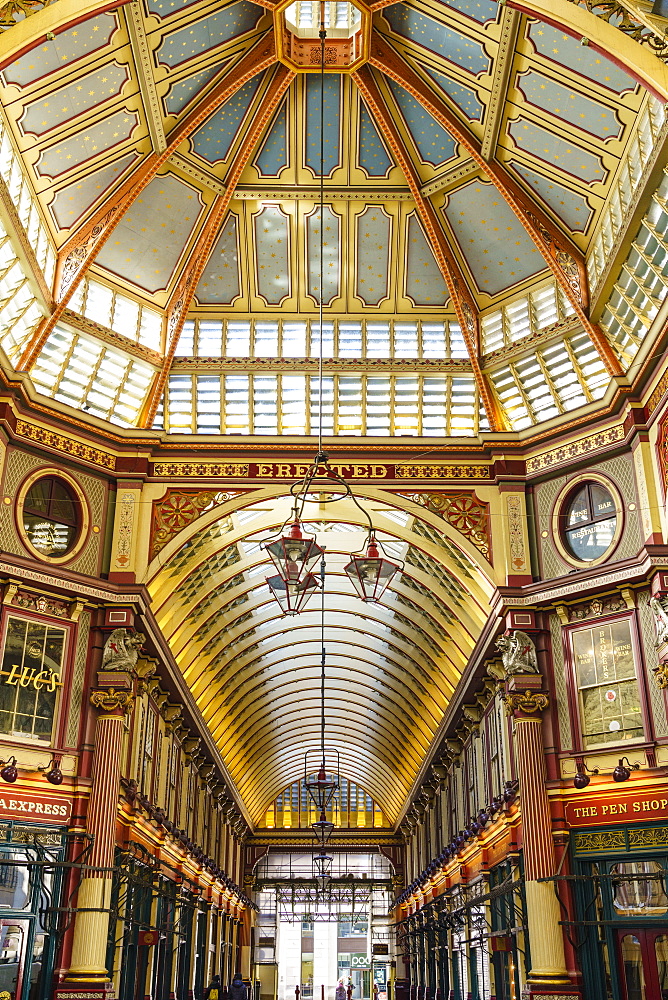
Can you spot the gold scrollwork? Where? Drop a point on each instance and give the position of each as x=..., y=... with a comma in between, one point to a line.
x=661, y=674
x=525, y=701
x=655, y=837
x=112, y=700
x=610, y=840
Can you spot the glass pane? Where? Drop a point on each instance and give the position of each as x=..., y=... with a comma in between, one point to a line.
x=635, y=895
x=578, y=510
x=601, y=501
x=634, y=976
x=590, y=541
x=14, y=884
x=609, y=695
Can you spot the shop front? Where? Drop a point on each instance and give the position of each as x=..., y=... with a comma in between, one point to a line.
x=31, y=870
x=620, y=878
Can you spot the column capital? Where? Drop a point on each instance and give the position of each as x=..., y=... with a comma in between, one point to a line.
x=522, y=696
x=113, y=703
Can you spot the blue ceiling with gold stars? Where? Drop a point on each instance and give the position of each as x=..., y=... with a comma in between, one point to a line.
x=90, y=107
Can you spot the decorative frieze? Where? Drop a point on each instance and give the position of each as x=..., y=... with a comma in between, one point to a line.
x=567, y=452
x=66, y=445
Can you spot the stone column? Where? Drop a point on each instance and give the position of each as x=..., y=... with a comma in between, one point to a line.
x=525, y=701
x=88, y=970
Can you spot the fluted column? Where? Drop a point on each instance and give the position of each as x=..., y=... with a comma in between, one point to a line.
x=525, y=701
x=91, y=928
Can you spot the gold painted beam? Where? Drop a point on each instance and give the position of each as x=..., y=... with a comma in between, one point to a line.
x=503, y=64
x=177, y=308
x=143, y=60
x=79, y=251
x=462, y=299
x=561, y=255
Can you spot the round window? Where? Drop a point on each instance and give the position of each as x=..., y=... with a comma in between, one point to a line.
x=589, y=521
x=51, y=516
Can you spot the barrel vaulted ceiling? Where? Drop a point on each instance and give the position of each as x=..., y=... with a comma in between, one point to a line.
x=257, y=681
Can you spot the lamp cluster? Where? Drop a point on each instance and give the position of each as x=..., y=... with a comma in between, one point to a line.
x=321, y=785
x=475, y=828
x=10, y=770
x=295, y=553
x=622, y=772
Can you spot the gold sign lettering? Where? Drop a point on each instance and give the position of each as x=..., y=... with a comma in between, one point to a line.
x=30, y=677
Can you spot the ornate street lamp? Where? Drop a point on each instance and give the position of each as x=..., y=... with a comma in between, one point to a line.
x=369, y=572
x=292, y=595
x=322, y=867
x=294, y=555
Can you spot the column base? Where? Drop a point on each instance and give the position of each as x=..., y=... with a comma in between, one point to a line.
x=84, y=990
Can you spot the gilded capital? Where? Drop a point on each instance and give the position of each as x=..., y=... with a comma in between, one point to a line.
x=112, y=701
x=525, y=702
x=661, y=674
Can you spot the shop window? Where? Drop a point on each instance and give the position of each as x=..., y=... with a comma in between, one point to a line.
x=50, y=516
x=607, y=688
x=30, y=678
x=638, y=889
x=587, y=521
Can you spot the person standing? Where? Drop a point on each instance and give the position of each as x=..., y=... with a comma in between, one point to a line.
x=212, y=992
x=238, y=989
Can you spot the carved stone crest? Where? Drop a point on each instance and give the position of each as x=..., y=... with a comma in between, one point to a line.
x=518, y=653
x=122, y=649
x=659, y=606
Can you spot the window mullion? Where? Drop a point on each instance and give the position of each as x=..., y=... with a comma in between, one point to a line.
x=578, y=370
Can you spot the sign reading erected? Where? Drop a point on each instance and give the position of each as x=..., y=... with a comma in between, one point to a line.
x=630, y=809
x=35, y=808
x=297, y=470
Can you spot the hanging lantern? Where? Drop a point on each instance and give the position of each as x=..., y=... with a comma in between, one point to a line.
x=321, y=788
x=292, y=595
x=370, y=573
x=322, y=867
x=293, y=555
x=322, y=829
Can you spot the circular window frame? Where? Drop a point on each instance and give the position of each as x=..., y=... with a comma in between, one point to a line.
x=83, y=528
x=558, y=513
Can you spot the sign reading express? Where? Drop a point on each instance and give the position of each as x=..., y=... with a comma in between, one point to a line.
x=35, y=808
x=599, y=812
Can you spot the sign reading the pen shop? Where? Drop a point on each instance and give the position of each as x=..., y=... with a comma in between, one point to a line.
x=35, y=808
x=629, y=809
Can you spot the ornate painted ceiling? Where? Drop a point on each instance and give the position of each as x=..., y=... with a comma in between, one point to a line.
x=159, y=168
x=173, y=147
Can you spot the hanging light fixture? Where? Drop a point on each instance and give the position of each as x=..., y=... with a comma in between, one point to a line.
x=293, y=554
x=292, y=596
x=322, y=868
x=369, y=572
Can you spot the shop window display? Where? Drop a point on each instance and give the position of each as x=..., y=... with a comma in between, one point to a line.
x=31, y=677
x=608, y=692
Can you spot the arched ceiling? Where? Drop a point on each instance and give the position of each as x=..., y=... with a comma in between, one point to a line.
x=256, y=674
